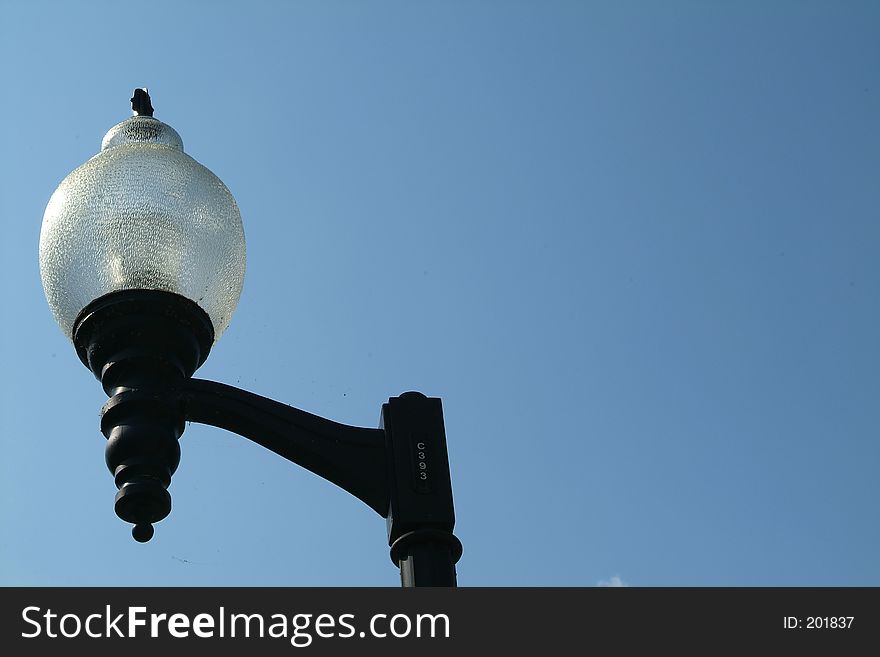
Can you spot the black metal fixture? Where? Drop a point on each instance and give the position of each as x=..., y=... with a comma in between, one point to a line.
x=142, y=260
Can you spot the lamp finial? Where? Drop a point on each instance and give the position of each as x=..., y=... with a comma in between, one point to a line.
x=140, y=103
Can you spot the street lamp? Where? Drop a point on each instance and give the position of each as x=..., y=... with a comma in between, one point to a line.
x=142, y=257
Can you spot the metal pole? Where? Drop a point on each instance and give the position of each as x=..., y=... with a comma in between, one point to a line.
x=421, y=517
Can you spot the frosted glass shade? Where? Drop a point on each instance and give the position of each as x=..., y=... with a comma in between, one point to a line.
x=142, y=214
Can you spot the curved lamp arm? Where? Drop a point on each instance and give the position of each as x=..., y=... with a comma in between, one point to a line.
x=353, y=458
x=400, y=470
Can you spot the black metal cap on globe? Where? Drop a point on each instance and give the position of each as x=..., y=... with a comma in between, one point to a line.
x=141, y=104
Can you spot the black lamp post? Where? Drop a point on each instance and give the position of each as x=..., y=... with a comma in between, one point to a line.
x=142, y=256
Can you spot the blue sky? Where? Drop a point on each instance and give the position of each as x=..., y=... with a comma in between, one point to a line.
x=632, y=245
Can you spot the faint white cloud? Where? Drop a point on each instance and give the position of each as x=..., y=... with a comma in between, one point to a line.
x=612, y=582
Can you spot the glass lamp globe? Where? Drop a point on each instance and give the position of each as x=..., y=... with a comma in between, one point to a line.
x=142, y=215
